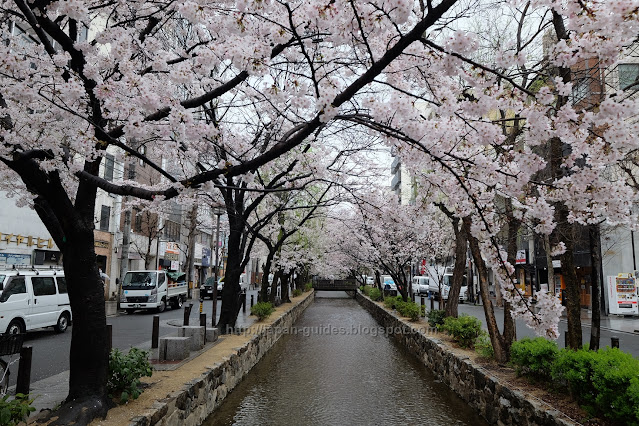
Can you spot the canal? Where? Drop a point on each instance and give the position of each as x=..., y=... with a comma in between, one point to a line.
x=337, y=367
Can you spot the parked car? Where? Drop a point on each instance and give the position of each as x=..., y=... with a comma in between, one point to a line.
x=207, y=288
x=34, y=299
x=420, y=284
x=388, y=284
x=370, y=280
x=447, y=280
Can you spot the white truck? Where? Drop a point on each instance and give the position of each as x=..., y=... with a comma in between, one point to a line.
x=152, y=290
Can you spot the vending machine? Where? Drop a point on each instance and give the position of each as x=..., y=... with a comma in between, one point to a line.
x=622, y=295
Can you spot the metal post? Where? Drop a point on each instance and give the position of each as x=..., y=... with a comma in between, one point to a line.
x=155, y=336
x=244, y=303
x=432, y=303
x=614, y=342
x=214, y=300
x=202, y=320
x=110, y=337
x=251, y=300
x=24, y=370
x=423, y=303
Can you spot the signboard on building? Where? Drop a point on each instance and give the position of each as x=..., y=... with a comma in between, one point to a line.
x=520, y=259
x=175, y=265
x=14, y=259
x=206, y=256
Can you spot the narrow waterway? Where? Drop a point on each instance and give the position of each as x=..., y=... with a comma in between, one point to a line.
x=337, y=368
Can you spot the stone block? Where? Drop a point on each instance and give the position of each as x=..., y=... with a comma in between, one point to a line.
x=196, y=333
x=212, y=334
x=174, y=348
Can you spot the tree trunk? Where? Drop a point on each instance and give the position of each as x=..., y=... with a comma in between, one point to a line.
x=595, y=284
x=551, y=268
x=266, y=271
x=285, y=284
x=231, y=297
x=572, y=296
x=277, y=277
x=502, y=352
x=510, y=330
x=190, y=258
x=459, y=269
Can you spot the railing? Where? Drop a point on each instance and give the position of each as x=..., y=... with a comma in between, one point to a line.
x=335, y=285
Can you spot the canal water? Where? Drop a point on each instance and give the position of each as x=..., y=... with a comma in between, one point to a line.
x=337, y=367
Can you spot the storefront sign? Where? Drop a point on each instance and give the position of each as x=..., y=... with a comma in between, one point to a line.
x=556, y=263
x=101, y=244
x=28, y=240
x=175, y=265
x=521, y=257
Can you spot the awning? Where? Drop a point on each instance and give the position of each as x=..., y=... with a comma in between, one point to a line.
x=177, y=276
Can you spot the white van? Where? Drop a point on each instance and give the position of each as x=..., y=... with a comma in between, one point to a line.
x=420, y=284
x=33, y=299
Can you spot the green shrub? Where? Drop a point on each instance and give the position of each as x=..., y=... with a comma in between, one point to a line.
x=16, y=410
x=262, y=310
x=297, y=292
x=436, y=317
x=605, y=383
x=125, y=372
x=464, y=329
x=409, y=310
x=366, y=290
x=375, y=294
x=483, y=345
x=308, y=287
x=422, y=310
x=533, y=357
x=389, y=302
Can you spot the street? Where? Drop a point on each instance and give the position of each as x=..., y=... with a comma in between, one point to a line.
x=51, y=350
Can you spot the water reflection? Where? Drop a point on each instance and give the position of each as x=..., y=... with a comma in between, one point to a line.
x=329, y=373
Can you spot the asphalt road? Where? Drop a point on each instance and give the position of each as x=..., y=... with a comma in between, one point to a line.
x=50, y=354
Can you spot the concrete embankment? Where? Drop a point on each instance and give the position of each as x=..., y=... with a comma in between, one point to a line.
x=493, y=399
x=189, y=394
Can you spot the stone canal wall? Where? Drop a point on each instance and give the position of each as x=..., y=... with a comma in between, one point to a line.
x=494, y=400
x=192, y=404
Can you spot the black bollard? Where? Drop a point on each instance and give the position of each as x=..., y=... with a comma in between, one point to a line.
x=423, y=303
x=155, y=335
x=244, y=303
x=432, y=303
x=24, y=370
x=187, y=314
x=614, y=342
x=251, y=300
x=202, y=320
x=110, y=337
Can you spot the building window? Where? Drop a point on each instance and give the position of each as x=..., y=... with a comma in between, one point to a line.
x=580, y=90
x=172, y=230
x=105, y=214
x=628, y=74
x=109, y=162
x=142, y=150
x=137, y=221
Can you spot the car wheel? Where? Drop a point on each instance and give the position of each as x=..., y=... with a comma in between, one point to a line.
x=63, y=323
x=180, y=302
x=162, y=306
x=15, y=327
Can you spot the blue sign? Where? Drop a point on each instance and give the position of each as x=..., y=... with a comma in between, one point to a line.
x=206, y=256
x=15, y=259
